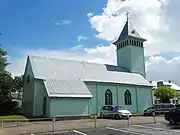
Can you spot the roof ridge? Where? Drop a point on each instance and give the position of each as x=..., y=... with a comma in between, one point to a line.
x=44, y=57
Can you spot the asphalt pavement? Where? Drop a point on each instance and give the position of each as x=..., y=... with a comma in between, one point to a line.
x=144, y=129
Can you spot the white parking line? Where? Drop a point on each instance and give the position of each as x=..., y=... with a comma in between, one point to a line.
x=149, y=127
x=125, y=131
x=162, y=129
x=78, y=132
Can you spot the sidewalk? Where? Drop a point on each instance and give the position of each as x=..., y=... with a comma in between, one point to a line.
x=39, y=127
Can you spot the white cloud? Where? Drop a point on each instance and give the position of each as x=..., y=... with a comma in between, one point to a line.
x=77, y=47
x=79, y=38
x=90, y=14
x=62, y=22
x=66, y=21
x=159, y=24
x=155, y=20
x=159, y=68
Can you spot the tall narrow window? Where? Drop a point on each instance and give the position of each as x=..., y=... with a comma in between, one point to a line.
x=127, y=97
x=108, y=97
x=27, y=79
x=44, y=106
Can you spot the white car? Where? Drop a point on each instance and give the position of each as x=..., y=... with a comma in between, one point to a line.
x=114, y=111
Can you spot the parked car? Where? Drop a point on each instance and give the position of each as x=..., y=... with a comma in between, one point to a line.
x=159, y=109
x=115, y=112
x=173, y=116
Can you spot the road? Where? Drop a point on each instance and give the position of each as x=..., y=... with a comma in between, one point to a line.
x=144, y=129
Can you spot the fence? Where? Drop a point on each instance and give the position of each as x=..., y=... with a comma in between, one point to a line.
x=68, y=123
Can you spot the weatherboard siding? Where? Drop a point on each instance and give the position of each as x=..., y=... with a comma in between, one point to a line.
x=69, y=106
x=132, y=58
x=39, y=94
x=140, y=96
x=145, y=98
x=28, y=92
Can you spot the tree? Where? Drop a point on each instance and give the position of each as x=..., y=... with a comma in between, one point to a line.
x=17, y=84
x=165, y=93
x=6, y=104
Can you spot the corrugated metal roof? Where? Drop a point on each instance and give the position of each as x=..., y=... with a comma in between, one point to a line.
x=119, y=77
x=171, y=84
x=67, y=88
x=58, y=71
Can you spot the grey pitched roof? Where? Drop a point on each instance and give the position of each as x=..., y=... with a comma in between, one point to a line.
x=67, y=88
x=69, y=75
x=129, y=31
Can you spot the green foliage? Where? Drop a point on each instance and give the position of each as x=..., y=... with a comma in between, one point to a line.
x=6, y=104
x=165, y=93
x=17, y=85
x=178, y=95
x=12, y=117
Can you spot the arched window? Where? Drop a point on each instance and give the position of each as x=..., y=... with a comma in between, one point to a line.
x=27, y=79
x=127, y=97
x=108, y=97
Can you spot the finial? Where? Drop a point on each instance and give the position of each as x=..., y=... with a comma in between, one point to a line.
x=127, y=14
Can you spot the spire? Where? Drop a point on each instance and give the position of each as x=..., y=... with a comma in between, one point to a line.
x=129, y=31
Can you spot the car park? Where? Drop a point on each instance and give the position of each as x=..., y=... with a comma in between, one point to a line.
x=159, y=109
x=115, y=112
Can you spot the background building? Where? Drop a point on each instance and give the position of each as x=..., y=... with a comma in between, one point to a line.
x=165, y=83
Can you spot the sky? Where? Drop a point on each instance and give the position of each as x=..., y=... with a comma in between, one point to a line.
x=85, y=30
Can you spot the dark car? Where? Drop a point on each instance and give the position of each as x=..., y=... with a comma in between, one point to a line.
x=173, y=116
x=159, y=109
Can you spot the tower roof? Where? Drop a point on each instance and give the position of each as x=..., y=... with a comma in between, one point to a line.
x=129, y=31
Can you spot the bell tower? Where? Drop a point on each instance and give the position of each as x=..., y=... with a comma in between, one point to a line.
x=130, y=50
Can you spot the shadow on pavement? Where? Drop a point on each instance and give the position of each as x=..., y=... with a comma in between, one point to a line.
x=173, y=126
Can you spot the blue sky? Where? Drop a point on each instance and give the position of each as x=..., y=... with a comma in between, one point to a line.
x=85, y=29
x=33, y=24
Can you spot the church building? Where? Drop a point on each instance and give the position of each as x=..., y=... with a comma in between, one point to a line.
x=59, y=87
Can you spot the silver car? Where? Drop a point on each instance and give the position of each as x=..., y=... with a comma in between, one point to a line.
x=115, y=112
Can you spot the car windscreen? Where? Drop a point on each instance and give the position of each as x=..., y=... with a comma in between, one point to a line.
x=118, y=108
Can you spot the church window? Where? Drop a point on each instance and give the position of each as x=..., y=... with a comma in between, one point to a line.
x=108, y=97
x=127, y=97
x=27, y=79
x=141, y=44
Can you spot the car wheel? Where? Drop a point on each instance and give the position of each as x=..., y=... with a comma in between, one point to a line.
x=172, y=122
x=117, y=117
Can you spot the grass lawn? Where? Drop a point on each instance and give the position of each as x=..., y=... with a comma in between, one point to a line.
x=12, y=117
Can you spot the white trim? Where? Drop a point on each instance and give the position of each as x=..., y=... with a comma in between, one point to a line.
x=68, y=95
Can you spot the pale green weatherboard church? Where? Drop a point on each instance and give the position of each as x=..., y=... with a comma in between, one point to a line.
x=57, y=87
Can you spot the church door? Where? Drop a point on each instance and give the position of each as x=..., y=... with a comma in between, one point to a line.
x=44, y=106
x=108, y=97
